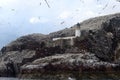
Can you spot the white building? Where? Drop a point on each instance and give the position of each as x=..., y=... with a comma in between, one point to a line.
x=61, y=40
x=77, y=30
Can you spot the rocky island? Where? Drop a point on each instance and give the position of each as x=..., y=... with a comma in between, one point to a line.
x=96, y=50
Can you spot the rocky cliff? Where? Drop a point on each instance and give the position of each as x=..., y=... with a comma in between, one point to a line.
x=34, y=55
x=24, y=50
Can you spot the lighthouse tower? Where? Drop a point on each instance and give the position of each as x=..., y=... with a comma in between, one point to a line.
x=77, y=30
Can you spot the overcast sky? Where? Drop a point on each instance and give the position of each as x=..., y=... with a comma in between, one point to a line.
x=21, y=17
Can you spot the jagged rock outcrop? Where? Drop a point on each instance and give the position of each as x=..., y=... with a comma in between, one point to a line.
x=24, y=50
x=19, y=52
x=66, y=64
x=25, y=42
x=101, y=45
x=104, y=42
x=100, y=36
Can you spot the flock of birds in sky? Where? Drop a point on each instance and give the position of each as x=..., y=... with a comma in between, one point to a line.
x=82, y=1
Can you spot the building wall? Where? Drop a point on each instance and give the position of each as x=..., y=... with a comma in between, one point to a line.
x=63, y=43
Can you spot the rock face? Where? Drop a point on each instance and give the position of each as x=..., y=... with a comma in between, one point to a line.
x=24, y=50
x=102, y=45
x=99, y=50
x=18, y=53
x=25, y=42
x=14, y=59
x=104, y=42
x=66, y=64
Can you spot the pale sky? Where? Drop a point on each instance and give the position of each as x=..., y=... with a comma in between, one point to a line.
x=22, y=17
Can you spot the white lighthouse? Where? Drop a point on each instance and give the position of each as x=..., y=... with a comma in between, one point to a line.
x=60, y=41
x=77, y=30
